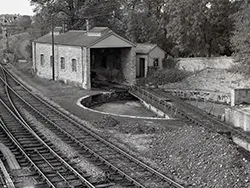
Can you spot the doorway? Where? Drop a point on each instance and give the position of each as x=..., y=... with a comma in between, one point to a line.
x=141, y=67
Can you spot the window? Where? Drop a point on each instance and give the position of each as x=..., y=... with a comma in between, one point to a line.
x=62, y=63
x=51, y=61
x=73, y=65
x=42, y=59
x=156, y=62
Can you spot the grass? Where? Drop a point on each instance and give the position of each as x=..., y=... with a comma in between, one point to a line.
x=164, y=76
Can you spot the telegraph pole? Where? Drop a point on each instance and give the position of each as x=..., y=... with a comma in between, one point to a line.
x=5, y=36
x=53, y=48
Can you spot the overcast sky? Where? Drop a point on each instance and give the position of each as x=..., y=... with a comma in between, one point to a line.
x=16, y=7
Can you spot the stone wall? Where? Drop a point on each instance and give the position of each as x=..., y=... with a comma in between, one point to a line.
x=69, y=53
x=240, y=96
x=201, y=95
x=200, y=63
x=128, y=57
x=82, y=55
x=45, y=70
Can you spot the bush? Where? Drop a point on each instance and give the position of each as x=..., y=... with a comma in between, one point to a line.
x=28, y=48
x=165, y=76
x=169, y=62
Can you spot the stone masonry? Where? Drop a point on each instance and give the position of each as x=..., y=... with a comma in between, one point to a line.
x=69, y=53
x=74, y=48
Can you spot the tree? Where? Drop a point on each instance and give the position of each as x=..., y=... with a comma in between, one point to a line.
x=200, y=27
x=241, y=38
x=75, y=12
x=24, y=22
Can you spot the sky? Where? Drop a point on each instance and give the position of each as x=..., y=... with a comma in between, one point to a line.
x=16, y=7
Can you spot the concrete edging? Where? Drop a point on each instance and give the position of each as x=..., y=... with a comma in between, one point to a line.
x=106, y=113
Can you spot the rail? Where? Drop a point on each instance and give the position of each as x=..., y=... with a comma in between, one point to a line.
x=114, y=147
x=158, y=102
x=19, y=117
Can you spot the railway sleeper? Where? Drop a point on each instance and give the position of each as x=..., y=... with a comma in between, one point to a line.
x=29, y=139
x=32, y=145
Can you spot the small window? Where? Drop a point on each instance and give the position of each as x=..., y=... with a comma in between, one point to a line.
x=62, y=63
x=156, y=62
x=73, y=65
x=42, y=59
x=51, y=61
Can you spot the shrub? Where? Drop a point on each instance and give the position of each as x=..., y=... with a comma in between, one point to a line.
x=165, y=76
x=169, y=62
x=28, y=48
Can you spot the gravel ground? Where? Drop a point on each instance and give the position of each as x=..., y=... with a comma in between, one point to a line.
x=211, y=79
x=69, y=152
x=191, y=155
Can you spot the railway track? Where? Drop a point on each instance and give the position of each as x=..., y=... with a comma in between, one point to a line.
x=124, y=169
x=51, y=166
x=196, y=115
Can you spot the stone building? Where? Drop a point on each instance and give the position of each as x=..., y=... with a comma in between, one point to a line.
x=81, y=57
x=149, y=57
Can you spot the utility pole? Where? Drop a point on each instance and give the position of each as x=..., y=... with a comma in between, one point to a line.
x=53, y=48
x=5, y=36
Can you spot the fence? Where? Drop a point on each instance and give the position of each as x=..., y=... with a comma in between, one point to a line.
x=158, y=102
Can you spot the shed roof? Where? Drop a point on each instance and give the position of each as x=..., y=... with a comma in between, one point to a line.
x=74, y=37
x=99, y=29
x=144, y=48
x=79, y=37
x=58, y=29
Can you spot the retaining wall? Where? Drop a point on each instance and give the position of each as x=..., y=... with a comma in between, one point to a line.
x=202, y=95
x=106, y=97
x=240, y=96
x=238, y=118
x=200, y=63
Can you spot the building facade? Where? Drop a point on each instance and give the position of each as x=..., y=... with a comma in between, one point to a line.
x=81, y=57
x=149, y=57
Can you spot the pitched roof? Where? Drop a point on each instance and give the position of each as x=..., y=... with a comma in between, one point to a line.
x=74, y=37
x=144, y=48
x=99, y=29
x=79, y=37
x=58, y=29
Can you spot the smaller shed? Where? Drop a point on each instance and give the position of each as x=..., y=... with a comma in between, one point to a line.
x=148, y=57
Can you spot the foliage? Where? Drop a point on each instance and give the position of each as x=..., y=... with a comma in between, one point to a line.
x=24, y=22
x=28, y=48
x=169, y=62
x=200, y=28
x=165, y=76
x=75, y=12
x=241, y=39
x=181, y=28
